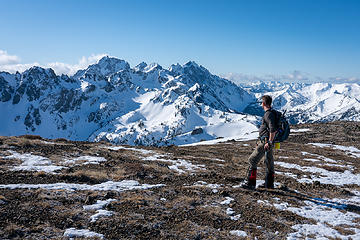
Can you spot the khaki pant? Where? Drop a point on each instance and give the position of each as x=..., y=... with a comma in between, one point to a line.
x=258, y=153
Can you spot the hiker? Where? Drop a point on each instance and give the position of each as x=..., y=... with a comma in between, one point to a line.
x=264, y=146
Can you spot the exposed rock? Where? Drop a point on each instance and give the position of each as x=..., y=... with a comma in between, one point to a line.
x=197, y=131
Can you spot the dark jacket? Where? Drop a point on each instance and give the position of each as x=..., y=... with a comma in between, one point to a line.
x=268, y=124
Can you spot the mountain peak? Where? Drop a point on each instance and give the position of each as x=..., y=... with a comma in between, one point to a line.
x=113, y=63
x=140, y=66
x=104, y=67
x=188, y=66
x=36, y=70
x=191, y=64
x=176, y=68
x=152, y=66
x=110, y=60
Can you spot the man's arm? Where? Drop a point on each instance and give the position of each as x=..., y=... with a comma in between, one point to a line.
x=271, y=141
x=272, y=136
x=272, y=130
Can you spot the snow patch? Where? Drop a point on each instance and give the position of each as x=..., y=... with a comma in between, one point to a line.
x=230, y=211
x=300, y=130
x=311, y=160
x=37, y=163
x=48, y=143
x=236, y=217
x=214, y=187
x=98, y=205
x=326, y=177
x=74, y=233
x=319, y=157
x=106, y=186
x=85, y=160
x=327, y=216
x=142, y=151
x=245, y=137
x=227, y=201
x=177, y=165
x=101, y=213
x=352, y=151
x=33, y=163
x=238, y=233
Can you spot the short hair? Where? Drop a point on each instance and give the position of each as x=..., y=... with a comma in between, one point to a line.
x=267, y=100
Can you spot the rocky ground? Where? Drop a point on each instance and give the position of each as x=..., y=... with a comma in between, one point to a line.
x=59, y=189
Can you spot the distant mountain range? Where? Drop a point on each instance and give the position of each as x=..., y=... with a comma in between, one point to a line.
x=150, y=105
x=317, y=102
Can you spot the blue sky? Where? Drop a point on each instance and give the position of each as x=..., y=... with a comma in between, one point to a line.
x=255, y=37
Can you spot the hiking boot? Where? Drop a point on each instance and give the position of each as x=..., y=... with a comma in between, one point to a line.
x=246, y=185
x=250, y=183
x=269, y=180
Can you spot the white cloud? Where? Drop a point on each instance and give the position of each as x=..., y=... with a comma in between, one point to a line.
x=11, y=63
x=61, y=68
x=344, y=80
x=6, y=59
x=13, y=68
x=84, y=62
x=240, y=77
x=295, y=76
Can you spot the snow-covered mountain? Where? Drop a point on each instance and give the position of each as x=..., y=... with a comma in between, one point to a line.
x=144, y=105
x=317, y=102
x=150, y=105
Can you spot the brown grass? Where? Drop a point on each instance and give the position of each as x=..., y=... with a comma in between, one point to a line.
x=31, y=137
x=136, y=198
x=117, y=174
x=343, y=230
x=14, y=230
x=92, y=173
x=24, y=142
x=333, y=168
x=157, y=166
x=61, y=140
x=40, y=174
x=114, y=174
x=182, y=201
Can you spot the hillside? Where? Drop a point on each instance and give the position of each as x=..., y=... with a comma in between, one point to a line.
x=63, y=189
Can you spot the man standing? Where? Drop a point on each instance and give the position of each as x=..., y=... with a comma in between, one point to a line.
x=264, y=146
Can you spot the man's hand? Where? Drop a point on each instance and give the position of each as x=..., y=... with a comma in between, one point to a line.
x=267, y=146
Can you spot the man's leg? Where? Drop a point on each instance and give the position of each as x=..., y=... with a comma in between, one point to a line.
x=270, y=173
x=254, y=159
x=256, y=155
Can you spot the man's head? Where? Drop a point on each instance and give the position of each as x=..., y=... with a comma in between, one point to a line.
x=266, y=101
